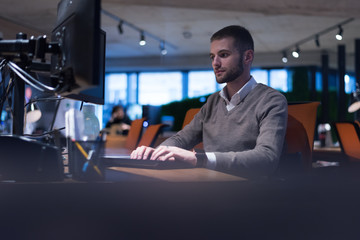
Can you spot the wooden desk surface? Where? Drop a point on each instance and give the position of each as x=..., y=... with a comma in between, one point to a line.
x=327, y=149
x=181, y=175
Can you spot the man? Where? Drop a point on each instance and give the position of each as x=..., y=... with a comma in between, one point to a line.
x=120, y=119
x=242, y=126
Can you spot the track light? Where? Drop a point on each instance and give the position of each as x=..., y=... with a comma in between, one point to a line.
x=296, y=52
x=120, y=26
x=284, y=58
x=142, y=39
x=339, y=34
x=317, y=42
x=163, y=50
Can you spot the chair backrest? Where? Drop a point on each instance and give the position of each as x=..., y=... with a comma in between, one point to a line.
x=348, y=134
x=301, y=130
x=190, y=115
x=134, y=134
x=151, y=133
x=188, y=118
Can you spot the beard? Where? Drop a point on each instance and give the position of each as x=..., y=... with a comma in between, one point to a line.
x=231, y=74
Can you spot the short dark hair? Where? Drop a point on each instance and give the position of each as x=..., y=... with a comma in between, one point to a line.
x=242, y=36
x=117, y=108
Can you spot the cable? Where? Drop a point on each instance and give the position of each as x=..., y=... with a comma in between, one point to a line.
x=29, y=78
x=24, y=78
x=55, y=114
x=7, y=92
x=45, y=133
x=43, y=100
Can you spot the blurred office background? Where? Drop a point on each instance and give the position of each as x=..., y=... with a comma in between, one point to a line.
x=173, y=68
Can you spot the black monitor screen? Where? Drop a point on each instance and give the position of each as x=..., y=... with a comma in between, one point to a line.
x=81, y=63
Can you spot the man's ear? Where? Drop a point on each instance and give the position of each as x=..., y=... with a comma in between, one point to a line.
x=248, y=56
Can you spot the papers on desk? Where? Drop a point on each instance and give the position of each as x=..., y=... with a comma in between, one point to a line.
x=319, y=164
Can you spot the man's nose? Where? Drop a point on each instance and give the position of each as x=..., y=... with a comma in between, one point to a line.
x=216, y=62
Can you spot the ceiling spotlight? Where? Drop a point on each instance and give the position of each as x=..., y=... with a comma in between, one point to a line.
x=142, y=39
x=163, y=50
x=296, y=52
x=339, y=34
x=120, y=27
x=284, y=58
x=317, y=42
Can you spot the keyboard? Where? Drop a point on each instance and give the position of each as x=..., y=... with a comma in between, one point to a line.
x=126, y=161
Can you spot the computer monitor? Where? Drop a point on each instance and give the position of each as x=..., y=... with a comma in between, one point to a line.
x=80, y=65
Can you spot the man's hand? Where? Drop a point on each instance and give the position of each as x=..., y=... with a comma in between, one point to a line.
x=142, y=152
x=165, y=153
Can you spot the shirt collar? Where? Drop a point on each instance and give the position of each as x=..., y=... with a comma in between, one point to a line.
x=241, y=94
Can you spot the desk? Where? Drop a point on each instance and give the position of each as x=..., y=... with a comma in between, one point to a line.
x=312, y=208
x=332, y=154
x=115, y=141
x=181, y=175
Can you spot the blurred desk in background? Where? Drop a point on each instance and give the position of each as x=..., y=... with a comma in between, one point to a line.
x=115, y=141
x=332, y=154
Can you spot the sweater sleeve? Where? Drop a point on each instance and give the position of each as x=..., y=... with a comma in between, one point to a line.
x=190, y=135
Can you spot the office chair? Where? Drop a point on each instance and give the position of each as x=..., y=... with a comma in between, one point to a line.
x=150, y=135
x=134, y=134
x=190, y=115
x=188, y=118
x=299, y=138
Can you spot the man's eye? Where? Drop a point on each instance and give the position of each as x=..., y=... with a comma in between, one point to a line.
x=224, y=55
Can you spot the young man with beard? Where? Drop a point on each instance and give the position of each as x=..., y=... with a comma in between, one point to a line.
x=242, y=127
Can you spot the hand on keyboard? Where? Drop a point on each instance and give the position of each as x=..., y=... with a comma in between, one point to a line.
x=164, y=153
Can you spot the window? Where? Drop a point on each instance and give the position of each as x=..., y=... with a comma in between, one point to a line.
x=350, y=84
x=159, y=87
x=115, y=88
x=279, y=80
x=202, y=83
x=261, y=76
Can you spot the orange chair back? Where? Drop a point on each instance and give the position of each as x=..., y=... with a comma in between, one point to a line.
x=149, y=137
x=188, y=118
x=134, y=134
x=301, y=130
x=348, y=134
x=190, y=115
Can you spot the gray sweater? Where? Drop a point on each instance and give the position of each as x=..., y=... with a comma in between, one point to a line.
x=247, y=139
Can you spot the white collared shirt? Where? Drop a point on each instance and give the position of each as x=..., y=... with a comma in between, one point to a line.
x=239, y=95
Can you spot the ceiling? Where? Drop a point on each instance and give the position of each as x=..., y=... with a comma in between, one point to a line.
x=188, y=24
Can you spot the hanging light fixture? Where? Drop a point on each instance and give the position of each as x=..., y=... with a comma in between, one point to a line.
x=120, y=26
x=163, y=50
x=296, y=52
x=142, y=39
x=317, y=42
x=339, y=34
